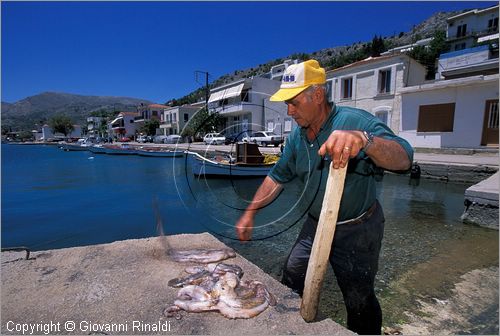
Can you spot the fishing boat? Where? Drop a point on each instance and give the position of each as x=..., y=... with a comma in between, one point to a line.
x=122, y=149
x=158, y=152
x=202, y=166
x=97, y=149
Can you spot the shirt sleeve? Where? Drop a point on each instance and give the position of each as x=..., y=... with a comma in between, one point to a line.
x=284, y=170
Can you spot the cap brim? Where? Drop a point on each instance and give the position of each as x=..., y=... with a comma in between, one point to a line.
x=287, y=94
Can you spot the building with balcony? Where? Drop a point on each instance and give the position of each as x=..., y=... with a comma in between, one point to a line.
x=173, y=119
x=480, y=60
x=467, y=29
x=374, y=85
x=94, y=126
x=244, y=105
x=124, y=125
x=148, y=112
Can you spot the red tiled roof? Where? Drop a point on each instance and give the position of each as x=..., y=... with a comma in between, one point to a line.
x=129, y=113
x=157, y=105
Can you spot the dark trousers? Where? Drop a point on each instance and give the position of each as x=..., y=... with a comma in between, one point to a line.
x=354, y=258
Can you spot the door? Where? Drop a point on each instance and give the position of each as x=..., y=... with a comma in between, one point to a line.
x=490, y=125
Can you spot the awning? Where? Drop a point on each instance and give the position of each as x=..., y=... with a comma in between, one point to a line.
x=227, y=93
x=233, y=91
x=487, y=38
x=216, y=96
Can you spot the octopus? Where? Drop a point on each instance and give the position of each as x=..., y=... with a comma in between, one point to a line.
x=203, y=256
x=220, y=288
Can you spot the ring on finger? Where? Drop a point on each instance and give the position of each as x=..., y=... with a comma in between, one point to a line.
x=347, y=148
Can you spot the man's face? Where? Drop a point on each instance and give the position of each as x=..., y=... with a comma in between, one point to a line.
x=302, y=108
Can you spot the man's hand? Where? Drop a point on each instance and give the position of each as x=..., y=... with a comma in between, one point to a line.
x=244, y=228
x=343, y=145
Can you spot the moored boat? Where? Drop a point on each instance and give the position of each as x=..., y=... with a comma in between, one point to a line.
x=152, y=152
x=123, y=149
x=202, y=166
x=97, y=149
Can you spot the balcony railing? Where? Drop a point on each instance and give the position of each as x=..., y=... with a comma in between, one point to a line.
x=474, y=34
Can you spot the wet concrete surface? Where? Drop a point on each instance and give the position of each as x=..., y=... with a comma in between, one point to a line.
x=123, y=285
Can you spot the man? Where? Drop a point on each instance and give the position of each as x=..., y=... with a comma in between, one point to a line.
x=340, y=134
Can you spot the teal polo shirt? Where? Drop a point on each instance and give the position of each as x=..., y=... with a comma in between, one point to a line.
x=300, y=160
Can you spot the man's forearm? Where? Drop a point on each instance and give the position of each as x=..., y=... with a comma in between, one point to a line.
x=388, y=154
x=266, y=193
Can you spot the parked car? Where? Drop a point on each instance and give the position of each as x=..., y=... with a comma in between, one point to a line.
x=263, y=138
x=142, y=138
x=235, y=137
x=172, y=139
x=214, y=138
x=159, y=139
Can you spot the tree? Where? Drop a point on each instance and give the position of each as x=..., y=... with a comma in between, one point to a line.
x=202, y=122
x=61, y=123
x=427, y=55
x=149, y=127
x=377, y=46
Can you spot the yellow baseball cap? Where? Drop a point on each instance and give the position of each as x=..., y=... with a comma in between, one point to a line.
x=297, y=78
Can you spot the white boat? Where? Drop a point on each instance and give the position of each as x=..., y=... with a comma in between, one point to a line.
x=202, y=166
x=123, y=149
x=154, y=152
x=74, y=147
x=97, y=149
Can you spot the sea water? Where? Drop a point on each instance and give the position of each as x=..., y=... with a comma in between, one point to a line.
x=53, y=199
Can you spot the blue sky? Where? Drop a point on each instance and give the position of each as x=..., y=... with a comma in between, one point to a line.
x=151, y=50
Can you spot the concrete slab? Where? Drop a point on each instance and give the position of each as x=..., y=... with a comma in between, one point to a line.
x=123, y=285
x=485, y=192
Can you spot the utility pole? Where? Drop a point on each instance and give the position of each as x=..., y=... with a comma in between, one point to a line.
x=207, y=90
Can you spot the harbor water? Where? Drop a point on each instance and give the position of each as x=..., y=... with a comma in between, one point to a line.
x=55, y=199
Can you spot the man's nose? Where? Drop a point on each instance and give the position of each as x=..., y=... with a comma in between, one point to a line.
x=290, y=110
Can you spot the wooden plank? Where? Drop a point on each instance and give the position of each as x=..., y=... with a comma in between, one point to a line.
x=323, y=239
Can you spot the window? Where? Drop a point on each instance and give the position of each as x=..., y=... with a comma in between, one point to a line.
x=174, y=117
x=186, y=117
x=384, y=81
x=383, y=115
x=347, y=88
x=461, y=30
x=459, y=46
x=492, y=25
x=436, y=118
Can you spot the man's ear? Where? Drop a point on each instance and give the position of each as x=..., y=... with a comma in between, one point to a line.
x=319, y=96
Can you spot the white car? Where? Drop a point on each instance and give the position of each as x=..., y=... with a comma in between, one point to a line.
x=263, y=138
x=214, y=139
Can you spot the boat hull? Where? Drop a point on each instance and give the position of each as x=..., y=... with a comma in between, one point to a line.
x=150, y=153
x=201, y=166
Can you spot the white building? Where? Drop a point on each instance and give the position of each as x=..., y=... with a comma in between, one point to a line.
x=48, y=134
x=124, y=125
x=94, y=126
x=375, y=84
x=173, y=119
x=245, y=106
x=456, y=113
x=464, y=30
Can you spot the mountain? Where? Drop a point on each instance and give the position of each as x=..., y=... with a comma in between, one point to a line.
x=37, y=110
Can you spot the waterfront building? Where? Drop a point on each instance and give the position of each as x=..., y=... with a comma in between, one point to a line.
x=459, y=108
x=244, y=106
x=475, y=26
x=173, y=119
x=374, y=84
x=124, y=125
x=94, y=125
x=48, y=134
x=148, y=112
